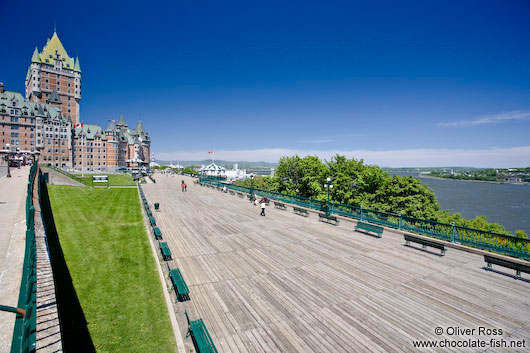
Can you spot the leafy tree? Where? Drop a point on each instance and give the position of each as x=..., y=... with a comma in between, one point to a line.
x=355, y=183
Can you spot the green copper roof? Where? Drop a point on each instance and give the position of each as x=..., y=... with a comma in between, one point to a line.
x=54, y=45
x=35, y=58
x=112, y=126
x=139, y=128
x=90, y=131
x=30, y=109
x=77, y=66
x=121, y=121
x=54, y=98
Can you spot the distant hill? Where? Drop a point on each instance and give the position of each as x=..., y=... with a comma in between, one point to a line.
x=226, y=164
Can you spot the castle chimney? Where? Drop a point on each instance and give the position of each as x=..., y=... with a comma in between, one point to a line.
x=1, y=87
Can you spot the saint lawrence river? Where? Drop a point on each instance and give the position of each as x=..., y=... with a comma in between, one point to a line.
x=507, y=204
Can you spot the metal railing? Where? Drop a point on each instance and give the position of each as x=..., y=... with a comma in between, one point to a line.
x=72, y=176
x=24, y=333
x=500, y=243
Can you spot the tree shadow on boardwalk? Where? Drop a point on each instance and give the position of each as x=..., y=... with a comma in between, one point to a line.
x=74, y=330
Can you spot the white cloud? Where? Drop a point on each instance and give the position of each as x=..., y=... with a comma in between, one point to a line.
x=491, y=157
x=490, y=119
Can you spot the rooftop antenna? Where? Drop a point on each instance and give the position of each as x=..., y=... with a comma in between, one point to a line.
x=54, y=26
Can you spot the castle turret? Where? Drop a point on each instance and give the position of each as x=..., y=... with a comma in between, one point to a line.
x=54, y=70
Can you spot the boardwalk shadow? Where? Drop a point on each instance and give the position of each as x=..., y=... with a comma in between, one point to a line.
x=424, y=250
x=511, y=275
x=74, y=330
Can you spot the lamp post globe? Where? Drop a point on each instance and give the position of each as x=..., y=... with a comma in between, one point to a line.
x=328, y=186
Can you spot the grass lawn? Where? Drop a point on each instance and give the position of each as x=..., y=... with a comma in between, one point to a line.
x=107, y=251
x=114, y=179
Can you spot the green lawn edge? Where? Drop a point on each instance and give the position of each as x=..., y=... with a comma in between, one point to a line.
x=105, y=245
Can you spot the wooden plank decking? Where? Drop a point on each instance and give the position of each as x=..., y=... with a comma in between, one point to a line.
x=285, y=283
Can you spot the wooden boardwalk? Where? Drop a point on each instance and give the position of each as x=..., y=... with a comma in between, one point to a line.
x=286, y=283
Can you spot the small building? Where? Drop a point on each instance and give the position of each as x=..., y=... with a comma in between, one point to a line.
x=213, y=169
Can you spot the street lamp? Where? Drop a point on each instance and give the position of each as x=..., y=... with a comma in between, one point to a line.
x=251, y=187
x=8, y=146
x=329, y=186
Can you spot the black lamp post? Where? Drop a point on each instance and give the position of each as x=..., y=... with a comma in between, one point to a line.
x=251, y=187
x=8, y=160
x=328, y=186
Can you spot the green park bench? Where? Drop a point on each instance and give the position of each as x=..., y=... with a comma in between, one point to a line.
x=149, y=213
x=279, y=205
x=179, y=285
x=157, y=206
x=300, y=211
x=199, y=335
x=164, y=249
x=370, y=228
x=152, y=221
x=158, y=233
x=517, y=266
x=328, y=219
x=425, y=243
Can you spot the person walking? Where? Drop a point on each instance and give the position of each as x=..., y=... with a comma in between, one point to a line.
x=182, y=185
x=185, y=187
x=262, y=209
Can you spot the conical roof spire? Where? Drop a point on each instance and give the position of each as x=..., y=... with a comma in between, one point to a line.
x=77, y=66
x=121, y=121
x=35, y=58
x=140, y=128
x=112, y=126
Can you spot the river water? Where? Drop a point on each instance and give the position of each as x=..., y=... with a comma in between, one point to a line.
x=506, y=204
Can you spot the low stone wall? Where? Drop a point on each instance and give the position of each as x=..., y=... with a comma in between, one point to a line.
x=48, y=328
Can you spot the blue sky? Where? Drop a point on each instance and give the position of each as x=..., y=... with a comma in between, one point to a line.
x=420, y=83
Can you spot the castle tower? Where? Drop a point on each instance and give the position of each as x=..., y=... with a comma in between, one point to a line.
x=53, y=75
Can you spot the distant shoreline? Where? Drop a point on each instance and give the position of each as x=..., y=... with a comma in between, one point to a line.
x=473, y=181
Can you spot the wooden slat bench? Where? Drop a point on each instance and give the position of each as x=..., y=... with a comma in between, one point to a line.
x=179, y=285
x=200, y=336
x=279, y=205
x=424, y=243
x=328, y=219
x=232, y=192
x=240, y=194
x=152, y=221
x=518, y=267
x=300, y=211
x=164, y=249
x=158, y=233
x=370, y=228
